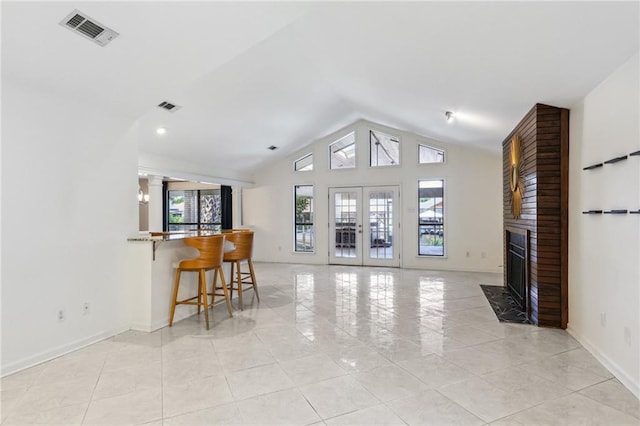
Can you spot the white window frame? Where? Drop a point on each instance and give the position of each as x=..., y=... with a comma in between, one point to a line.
x=399, y=162
x=295, y=163
x=296, y=224
x=432, y=146
x=443, y=217
x=355, y=151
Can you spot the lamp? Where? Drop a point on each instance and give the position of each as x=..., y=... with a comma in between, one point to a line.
x=449, y=116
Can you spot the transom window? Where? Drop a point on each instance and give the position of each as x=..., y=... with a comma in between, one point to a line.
x=384, y=149
x=428, y=154
x=304, y=164
x=342, y=153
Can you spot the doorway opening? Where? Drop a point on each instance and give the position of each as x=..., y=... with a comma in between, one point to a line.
x=364, y=226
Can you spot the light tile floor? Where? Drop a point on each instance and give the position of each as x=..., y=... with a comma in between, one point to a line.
x=331, y=345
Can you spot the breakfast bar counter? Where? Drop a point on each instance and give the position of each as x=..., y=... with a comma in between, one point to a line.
x=150, y=260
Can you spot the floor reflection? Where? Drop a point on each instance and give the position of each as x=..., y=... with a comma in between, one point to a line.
x=331, y=345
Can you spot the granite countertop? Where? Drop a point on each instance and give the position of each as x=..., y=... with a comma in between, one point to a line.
x=172, y=236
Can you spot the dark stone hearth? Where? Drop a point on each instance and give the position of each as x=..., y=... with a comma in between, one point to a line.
x=505, y=308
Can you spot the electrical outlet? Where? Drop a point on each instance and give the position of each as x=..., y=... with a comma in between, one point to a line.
x=603, y=319
x=468, y=254
x=483, y=255
x=61, y=315
x=627, y=335
x=86, y=308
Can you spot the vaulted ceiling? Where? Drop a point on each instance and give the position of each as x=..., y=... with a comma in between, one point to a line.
x=251, y=75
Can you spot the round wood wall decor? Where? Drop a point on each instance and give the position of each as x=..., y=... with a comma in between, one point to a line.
x=515, y=177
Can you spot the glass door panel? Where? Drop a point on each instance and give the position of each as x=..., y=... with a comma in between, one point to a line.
x=346, y=226
x=380, y=224
x=380, y=232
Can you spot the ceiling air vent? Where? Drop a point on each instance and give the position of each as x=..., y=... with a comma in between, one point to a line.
x=89, y=28
x=169, y=106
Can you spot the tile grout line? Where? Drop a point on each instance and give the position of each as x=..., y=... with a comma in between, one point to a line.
x=93, y=391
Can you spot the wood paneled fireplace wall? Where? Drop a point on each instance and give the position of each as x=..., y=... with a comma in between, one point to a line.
x=542, y=226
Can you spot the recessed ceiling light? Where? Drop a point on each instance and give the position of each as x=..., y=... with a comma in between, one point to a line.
x=161, y=130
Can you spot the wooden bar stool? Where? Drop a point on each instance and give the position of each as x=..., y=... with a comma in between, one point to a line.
x=211, y=251
x=243, y=241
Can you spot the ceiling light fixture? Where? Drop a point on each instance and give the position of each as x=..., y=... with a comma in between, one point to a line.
x=161, y=130
x=142, y=197
x=449, y=116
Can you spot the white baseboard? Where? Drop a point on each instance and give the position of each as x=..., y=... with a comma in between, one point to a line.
x=456, y=269
x=161, y=323
x=497, y=270
x=620, y=374
x=56, y=352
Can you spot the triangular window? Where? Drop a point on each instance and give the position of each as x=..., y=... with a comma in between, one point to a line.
x=342, y=153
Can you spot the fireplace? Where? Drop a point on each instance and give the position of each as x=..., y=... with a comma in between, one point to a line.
x=517, y=265
x=538, y=263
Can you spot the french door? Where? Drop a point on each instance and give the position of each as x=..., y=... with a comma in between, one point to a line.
x=364, y=227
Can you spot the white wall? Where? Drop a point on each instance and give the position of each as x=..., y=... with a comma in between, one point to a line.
x=69, y=201
x=473, y=201
x=604, y=250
